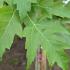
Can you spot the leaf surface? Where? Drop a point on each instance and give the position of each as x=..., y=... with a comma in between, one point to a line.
x=60, y=10
x=52, y=36
x=9, y=26
x=57, y=8
x=1, y=3
x=24, y=6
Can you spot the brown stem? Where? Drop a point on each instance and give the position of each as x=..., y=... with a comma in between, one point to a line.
x=40, y=60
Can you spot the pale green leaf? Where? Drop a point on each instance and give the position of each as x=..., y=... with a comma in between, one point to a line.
x=5, y=15
x=47, y=33
x=24, y=6
x=9, y=27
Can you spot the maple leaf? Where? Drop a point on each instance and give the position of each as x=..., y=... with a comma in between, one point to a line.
x=9, y=26
x=49, y=34
x=24, y=6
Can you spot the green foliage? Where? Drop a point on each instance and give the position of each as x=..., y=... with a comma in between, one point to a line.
x=9, y=26
x=60, y=10
x=45, y=22
x=1, y=3
x=53, y=38
x=23, y=6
